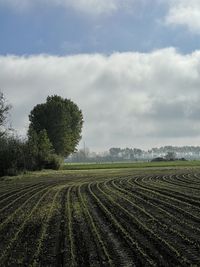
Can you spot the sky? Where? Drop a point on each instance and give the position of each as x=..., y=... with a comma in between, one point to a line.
x=132, y=66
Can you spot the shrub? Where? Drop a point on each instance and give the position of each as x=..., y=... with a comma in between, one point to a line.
x=54, y=162
x=12, y=158
x=158, y=159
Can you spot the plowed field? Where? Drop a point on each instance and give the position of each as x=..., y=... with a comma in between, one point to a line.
x=101, y=218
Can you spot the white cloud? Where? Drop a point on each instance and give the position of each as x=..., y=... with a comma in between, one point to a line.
x=186, y=13
x=128, y=99
x=94, y=7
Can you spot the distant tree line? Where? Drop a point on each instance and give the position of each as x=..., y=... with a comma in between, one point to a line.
x=54, y=132
x=176, y=149
x=165, y=151
x=116, y=154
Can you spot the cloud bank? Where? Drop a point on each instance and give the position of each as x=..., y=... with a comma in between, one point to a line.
x=128, y=99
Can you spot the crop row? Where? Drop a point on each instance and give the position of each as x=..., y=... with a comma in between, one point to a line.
x=133, y=220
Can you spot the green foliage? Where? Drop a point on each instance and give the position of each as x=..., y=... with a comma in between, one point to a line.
x=17, y=155
x=12, y=155
x=40, y=151
x=12, y=149
x=44, y=149
x=32, y=150
x=53, y=162
x=36, y=153
x=62, y=120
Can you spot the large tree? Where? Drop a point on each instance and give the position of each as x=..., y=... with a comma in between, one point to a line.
x=62, y=120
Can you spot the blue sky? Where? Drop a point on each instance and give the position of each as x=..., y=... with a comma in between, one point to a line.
x=57, y=30
x=132, y=66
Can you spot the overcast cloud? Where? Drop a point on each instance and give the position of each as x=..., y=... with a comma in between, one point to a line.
x=128, y=99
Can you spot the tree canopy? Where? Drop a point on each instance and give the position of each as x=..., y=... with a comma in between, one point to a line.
x=62, y=120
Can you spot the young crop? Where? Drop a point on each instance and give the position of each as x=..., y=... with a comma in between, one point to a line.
x=145, y=228
x=9, y=247
x=94, y=228
x=122, y=230
x=117, y=217
x=71, y=238
x=44, y=229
